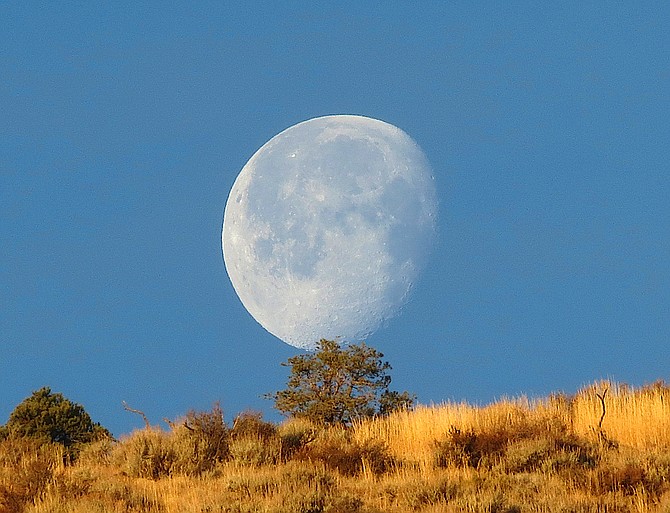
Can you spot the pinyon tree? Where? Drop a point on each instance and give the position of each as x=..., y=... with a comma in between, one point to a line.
x=336, y=385
x=50, y=417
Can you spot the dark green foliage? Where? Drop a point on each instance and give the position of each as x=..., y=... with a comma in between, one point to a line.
x=50, y=417
x=391, y=401
x=336, y=385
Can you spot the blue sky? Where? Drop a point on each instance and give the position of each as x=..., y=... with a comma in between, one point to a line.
x=123, y=127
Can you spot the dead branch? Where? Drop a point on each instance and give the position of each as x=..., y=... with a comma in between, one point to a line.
x=133, y=410
x=602, y=402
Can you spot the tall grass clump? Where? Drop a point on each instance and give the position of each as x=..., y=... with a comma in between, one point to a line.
x=635, y=417
x=337, y=449
x=253, y=441
x=27, y=466
x=294, y=434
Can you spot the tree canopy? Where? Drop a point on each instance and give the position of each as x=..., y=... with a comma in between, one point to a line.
x=50, y=417
x=336, y=385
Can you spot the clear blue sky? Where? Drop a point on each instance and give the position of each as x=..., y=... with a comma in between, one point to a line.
x=123, y=127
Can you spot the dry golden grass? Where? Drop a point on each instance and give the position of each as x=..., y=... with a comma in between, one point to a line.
x=638, y=418
x=516, y=455
x=411, y=435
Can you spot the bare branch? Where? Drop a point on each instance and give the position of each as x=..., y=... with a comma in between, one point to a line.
x=132, y=410
x=602, y=402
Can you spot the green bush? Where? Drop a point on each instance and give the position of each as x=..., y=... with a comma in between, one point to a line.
x=51, y=418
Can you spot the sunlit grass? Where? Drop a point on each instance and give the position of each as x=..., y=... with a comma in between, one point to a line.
x=638, y=418
x=516, y=455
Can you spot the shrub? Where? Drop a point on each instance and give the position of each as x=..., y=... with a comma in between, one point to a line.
x=470, y=449
x=521, y=445
x=425, y=492
x=293, y=436
x=335, y=449
x=30, y=466
x=296, y=476
x=147, y=454
x=255, y=451
x=250, y=424
x=550, y=452
x=193, y=447
x=97, y=453
x=626, y=474
x=254, y=441
x=203, y=441
x=50, y=417
x=628, y=478
x=310, y=489
x=528, y=455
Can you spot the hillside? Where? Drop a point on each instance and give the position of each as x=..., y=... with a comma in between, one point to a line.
x=605, y=449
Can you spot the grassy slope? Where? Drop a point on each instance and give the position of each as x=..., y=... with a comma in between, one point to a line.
x=512, y=456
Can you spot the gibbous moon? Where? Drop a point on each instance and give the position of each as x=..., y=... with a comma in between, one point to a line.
x=327, y=228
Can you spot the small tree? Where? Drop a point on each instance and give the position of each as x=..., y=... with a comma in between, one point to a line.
x=51, y=417
x=336, y=385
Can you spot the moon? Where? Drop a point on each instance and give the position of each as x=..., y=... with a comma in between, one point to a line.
x=327, y=228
